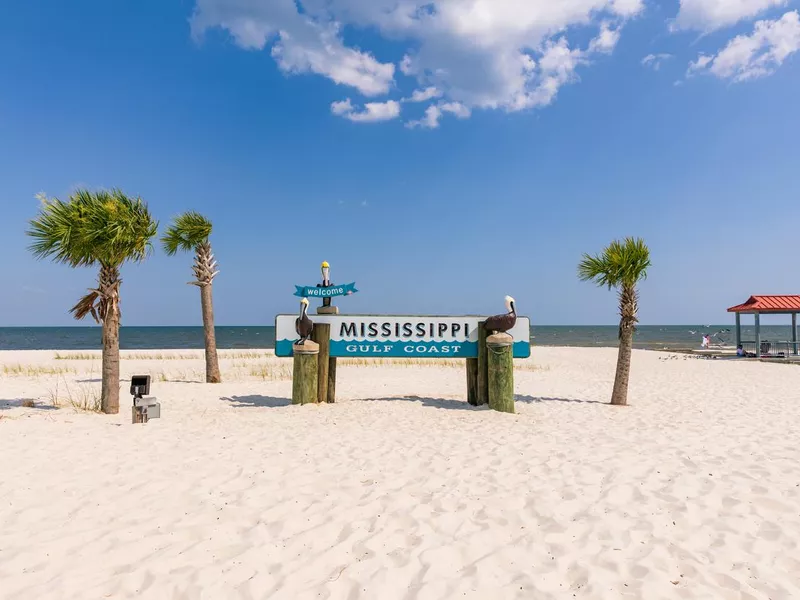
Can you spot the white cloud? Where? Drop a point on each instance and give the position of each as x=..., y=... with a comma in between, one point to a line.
x=606, y=40
x=457, y=109
x=424, y=95
x=342, y=108
x=709, y=15
x=372, y=112
x=491, y=54
x=300, y=44
x=759, y=54
x=435, y=112
x=430, y=121
x=654, y=61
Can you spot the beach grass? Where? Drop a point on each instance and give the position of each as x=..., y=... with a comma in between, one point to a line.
x=20, y=370
x=81, y=396
x=127, y=355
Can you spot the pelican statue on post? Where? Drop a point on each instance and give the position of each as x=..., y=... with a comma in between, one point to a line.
x=326, y=281
x=503, y=323
x=303, y=325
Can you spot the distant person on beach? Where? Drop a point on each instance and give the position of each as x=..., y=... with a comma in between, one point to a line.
x=706, y=343
x=741, y=352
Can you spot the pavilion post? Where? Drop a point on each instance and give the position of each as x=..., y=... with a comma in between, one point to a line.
x=794, y=334
x=738, y=329
x=758, y=335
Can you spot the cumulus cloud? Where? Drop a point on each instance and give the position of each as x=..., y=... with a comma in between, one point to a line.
x=490, y=54
x=606, y=40
x=424, y=95
x=654, y=61
x=710, y=15
x=372, y=112
x=298, y=44
x=435, y=112
x=759, y=54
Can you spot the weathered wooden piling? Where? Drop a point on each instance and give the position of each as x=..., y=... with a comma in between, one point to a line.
x=328, y=394
x=305, y=373
x=472, y=381
x=322, y=336
x=500, y=366
x=482, y=383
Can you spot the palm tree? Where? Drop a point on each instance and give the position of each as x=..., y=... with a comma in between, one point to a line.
x=105, y=228
x=622, y=265
x=190, y=232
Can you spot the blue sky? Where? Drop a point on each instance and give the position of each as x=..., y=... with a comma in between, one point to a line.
x=542, y=132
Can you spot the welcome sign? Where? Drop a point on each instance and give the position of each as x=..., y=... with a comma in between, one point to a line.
x=376, y=336
x=307, y=291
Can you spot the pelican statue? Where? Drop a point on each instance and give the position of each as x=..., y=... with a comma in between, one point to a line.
x=502, y=323
x=326, y=281
x=303, y=325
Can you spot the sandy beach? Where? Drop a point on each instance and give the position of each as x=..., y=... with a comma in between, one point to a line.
x=402, y=490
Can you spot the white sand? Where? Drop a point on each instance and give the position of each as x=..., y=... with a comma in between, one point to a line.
x=691, y=492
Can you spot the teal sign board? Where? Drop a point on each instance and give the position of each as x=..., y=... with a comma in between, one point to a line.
x=376, y=336
x=325, y=292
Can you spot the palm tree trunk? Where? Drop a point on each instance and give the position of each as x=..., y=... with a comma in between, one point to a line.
x=628, y=307
x=212, y=361
x=110, y=316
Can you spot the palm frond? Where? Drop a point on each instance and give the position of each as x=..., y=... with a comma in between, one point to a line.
x=187, y=231
x=105, y=227
x=622, y=263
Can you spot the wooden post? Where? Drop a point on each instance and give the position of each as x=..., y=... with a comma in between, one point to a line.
x=322, y=336
x=500, y=359
x=472, y=381
x=304, y=374
x=482, y=396
x=330, y=372
x=331, y=381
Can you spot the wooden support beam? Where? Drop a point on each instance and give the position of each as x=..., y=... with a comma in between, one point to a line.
x=794, y=333
x=322, y=336
x=472, y=381
x=500, y=355
x=304, y=373
x=330, y=388
x=482, y=378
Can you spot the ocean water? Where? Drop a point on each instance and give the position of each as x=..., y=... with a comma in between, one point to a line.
x=653, y=337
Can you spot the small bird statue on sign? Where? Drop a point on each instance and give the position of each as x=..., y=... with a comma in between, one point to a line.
x=326, y=281
x=502, y=323
x=303, y=325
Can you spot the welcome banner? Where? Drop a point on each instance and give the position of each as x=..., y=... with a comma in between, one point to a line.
x=375, y=336
x=325, y=292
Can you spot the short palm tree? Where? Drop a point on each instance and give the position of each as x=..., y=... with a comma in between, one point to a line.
x=622, y=265
x=105, y=229
x=189, y=232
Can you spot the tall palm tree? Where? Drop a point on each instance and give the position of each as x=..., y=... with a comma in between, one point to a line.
x=105, y=229
x=622, y=265
x=190, y=232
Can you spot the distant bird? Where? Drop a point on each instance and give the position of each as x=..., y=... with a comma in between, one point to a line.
x=503, y=323
x=303, y=325
x=692, y=332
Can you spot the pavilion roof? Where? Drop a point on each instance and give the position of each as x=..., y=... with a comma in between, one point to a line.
x=768, y=304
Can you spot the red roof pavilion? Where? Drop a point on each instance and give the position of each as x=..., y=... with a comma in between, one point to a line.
x=782, y=305
x=771, y=305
